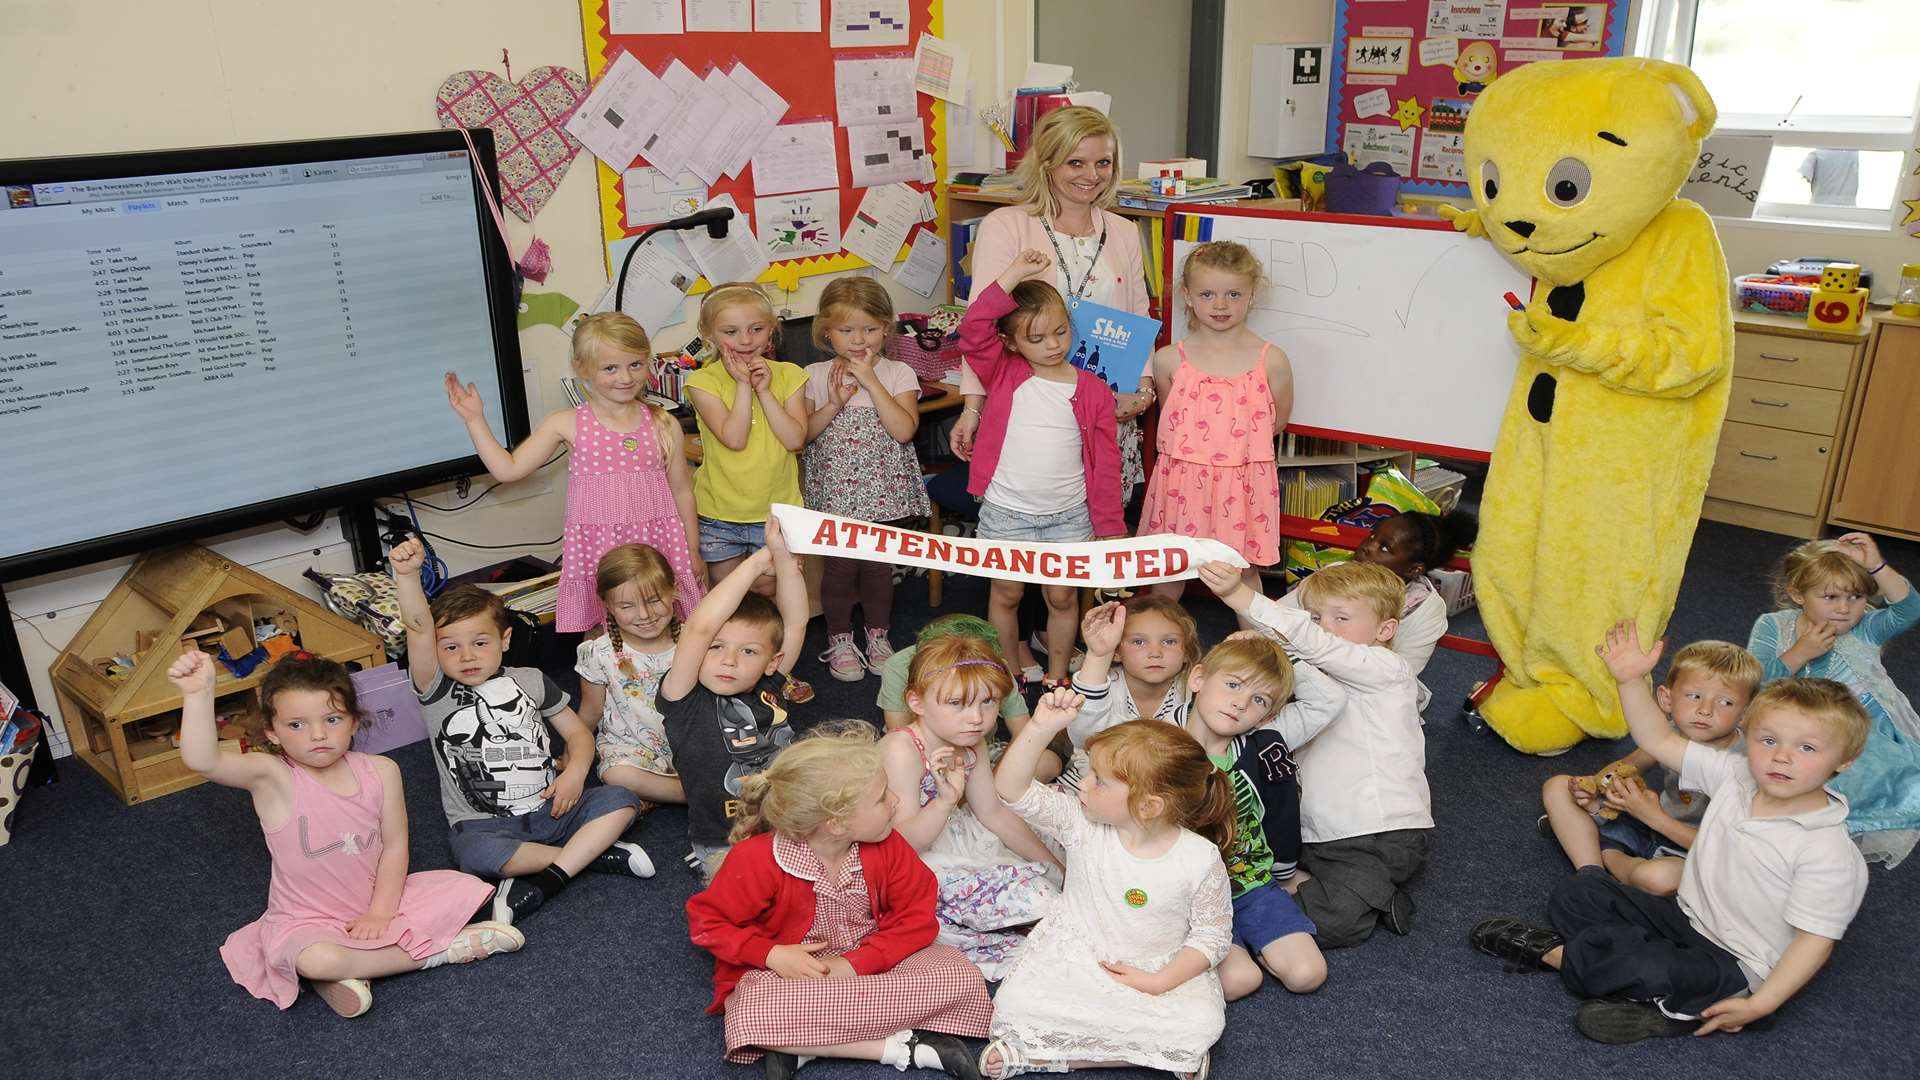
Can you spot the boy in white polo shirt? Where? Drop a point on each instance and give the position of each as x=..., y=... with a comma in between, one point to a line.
x=1770, y=885
x=1364, y=803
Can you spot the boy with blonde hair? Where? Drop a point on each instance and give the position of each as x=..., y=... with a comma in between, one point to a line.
x=1364, y=804
x=1770, y=886
x=1707, y=689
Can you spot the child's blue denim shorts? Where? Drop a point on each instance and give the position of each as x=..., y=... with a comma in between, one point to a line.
x=721, y=540
x=1264, y=915
x=1631, y=835
x=999, y=523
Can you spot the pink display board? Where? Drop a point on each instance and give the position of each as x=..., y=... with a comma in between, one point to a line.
x=1406, y=72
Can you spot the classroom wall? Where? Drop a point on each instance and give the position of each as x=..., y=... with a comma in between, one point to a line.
x=1135, y=50
x=115, y=75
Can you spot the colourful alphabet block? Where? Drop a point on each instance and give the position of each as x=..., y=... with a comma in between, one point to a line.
x=1837, y=309
x=1840, y=277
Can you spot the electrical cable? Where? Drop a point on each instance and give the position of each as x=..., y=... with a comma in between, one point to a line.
x=484, y=492
x=433, y=570
x=494, y=547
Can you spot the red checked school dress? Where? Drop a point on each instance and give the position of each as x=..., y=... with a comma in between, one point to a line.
x=758, y=900
x=1215, y=476
x=617, y=493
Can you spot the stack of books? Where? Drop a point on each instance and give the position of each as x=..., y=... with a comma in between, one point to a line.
x=1310, y=491
x=1139, y=194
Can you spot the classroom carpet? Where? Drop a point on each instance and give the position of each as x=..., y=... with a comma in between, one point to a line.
x=113, y=918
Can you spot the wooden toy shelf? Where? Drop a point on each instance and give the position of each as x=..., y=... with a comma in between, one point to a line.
x=120, y=722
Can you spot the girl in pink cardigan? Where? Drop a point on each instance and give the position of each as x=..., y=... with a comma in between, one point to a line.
x=1061, y=482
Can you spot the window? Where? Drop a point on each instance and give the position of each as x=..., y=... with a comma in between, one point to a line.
x=1833, y=83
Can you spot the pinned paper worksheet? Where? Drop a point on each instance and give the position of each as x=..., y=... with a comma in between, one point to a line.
x=786, y=16
x=874, y=90
x=926, y=261
x=797, y=157
x=941, y=69
x=865, y=23
x=881, y=224
x=719, y=16
x=624, y=110
x=644, y=16
x=798, y=226
x=889, y=153
x=736, y=257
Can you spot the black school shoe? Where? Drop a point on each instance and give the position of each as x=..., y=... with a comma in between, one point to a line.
x=1519, y=944
x=1399, y=914
x=1618, y=1023
x=780, y=1066
x=514, y=899
x=955, y=1058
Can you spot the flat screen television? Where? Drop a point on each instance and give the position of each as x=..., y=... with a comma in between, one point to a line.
x=198, y=341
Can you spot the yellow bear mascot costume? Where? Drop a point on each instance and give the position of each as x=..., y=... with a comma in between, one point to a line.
x=1603, y=455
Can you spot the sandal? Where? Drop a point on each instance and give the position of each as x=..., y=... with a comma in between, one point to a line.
x=347, y=997
x=479, y=941
x=954, y=1058
x=1206, y=1067
x=1013, y=1059
x=1519, y=944
x=797, y=691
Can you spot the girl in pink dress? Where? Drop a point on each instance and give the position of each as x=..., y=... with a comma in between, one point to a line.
x=342, y=908
x=627, y=475
x=1225, y=394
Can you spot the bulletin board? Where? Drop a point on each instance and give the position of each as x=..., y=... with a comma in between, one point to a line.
x=1405, y=73
x=800, y=68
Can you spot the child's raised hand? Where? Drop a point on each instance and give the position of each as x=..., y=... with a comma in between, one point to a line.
x=1030, y=263
x=466, y=400
x=1222, y=577
x=776, y=538
x=1862, y=549
x=407, y=557
x=759, y=374
x=860, y=370
x=192, y=672
x=1056, y=709
x=1624, y=657
x=1103, y=627
x=949, y=769
x=368, y=926
x=797, y=961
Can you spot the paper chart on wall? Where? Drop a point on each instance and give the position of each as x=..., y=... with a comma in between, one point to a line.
x=1442, y=157
x=1368, y=143
x=719, y=16
x=798, y=226
x=1466, y=18
x=772, y=107
x=864, y=23
x=797, y=157
x=873, y=90
x=941, y=69
x=889, y=153
x=742, y=126
x=644, y=16
x=683, y=136
x=736, y=257
x=786, y=16
x=926, y=261
x=622, y=113
x=881, y=224
x=653, y=196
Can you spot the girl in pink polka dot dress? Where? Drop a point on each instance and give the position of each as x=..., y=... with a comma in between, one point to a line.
x=1224, y=394
x=627, y=475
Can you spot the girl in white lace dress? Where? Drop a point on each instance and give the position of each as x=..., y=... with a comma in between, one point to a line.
x=1121, y=972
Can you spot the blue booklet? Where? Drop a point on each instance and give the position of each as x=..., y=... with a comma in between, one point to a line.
x=1113, y=344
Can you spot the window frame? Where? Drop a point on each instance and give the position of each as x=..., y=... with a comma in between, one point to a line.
x=1665, y=32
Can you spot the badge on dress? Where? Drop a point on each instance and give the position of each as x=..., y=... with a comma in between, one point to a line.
x=629, y=444
x=1135, y=898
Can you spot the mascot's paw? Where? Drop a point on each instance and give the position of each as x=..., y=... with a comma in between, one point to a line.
x=1549, y=718
x=1466, y=221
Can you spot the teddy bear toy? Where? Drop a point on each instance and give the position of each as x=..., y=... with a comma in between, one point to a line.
x=1600, y=782
x=1602, y=458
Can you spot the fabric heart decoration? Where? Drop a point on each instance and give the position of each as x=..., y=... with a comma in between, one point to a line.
x=526, y=117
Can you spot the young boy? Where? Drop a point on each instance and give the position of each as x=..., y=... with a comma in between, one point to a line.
x=720, y=701
x=1708, y=686
x=1770, y=885
x=1364, y=805
x=513, y=816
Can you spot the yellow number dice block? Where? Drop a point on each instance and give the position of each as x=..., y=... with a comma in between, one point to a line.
x=1840, y=276
x=1837, y=309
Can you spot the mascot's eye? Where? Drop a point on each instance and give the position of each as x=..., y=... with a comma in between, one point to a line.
x=1568, y=182
x=1490, y=179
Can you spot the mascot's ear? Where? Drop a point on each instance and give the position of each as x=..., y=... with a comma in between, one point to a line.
x=1696, y=105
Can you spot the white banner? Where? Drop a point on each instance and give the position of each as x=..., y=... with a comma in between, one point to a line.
x=1106, y=564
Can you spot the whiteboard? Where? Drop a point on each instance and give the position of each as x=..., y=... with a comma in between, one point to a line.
x=1396, y=331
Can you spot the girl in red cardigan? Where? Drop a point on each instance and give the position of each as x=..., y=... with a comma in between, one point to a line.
x=821, y=923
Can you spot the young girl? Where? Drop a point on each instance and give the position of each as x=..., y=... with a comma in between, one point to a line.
x=860, y=460
x=1121, y=972
x=821, y=923
x=895, y=673
x=342, y=908
x=1225, y=393
x=1158, y=644
x=1825, y=629
x=753, y=421
x=1062, y=483
x=636, y=590
x=627, y=480
x=993, y=872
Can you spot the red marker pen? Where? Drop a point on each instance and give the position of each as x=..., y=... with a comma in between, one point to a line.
x=1514, y=302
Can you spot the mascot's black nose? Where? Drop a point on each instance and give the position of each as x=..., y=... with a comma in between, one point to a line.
x=1524, y=228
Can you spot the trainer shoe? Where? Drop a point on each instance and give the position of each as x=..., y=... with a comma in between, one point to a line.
x=843, y=658
x=1620, y=1022
x=1521, y=945
x=515, y=899
x=623, y=858
x=1544, y=826
x=348, y=997
x=879, y=649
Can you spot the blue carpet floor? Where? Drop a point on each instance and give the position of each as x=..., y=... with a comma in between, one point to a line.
x=113, y=917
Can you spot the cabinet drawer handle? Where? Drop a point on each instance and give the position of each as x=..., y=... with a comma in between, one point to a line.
x=1769, y=404
x=1760, y=457
x=1779, y=357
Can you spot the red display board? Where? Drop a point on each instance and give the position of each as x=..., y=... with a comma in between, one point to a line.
x=797, y=66
x=1406, y=72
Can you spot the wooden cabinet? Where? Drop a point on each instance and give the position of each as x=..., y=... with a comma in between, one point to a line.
x=1879, y=486
x=1779, y=447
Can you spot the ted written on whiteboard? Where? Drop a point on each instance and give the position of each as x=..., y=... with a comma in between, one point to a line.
x=1396, y=334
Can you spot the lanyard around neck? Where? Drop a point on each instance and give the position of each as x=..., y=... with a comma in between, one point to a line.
x=1074, y=296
